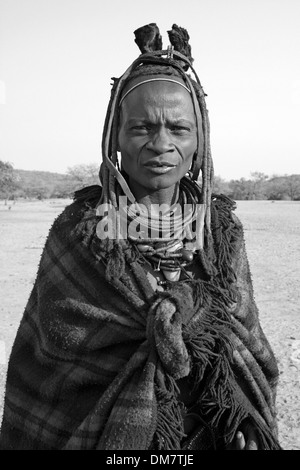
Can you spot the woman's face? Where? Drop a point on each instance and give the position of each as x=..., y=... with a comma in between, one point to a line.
x=157, y=135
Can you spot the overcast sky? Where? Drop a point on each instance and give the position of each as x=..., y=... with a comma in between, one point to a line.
x=58, y=57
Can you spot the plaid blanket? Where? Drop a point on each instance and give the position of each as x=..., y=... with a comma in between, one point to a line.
x=98, y=354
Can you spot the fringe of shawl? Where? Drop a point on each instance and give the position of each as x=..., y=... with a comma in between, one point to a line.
x=169, y=431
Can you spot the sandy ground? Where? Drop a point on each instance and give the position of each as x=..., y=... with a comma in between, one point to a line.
x=272, y=233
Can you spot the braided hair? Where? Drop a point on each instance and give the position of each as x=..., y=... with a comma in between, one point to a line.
x=173, y=62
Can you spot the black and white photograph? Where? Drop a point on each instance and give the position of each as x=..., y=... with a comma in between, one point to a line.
x=150, y=227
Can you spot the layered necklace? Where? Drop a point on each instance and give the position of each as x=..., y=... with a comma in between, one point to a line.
x=169, y=240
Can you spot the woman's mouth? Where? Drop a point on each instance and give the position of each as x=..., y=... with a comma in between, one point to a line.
x=159, y=167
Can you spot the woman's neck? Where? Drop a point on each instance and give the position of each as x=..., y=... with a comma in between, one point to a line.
x=148, y=198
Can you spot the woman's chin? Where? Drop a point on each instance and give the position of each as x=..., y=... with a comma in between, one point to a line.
x=157, y=184
x=163, y=180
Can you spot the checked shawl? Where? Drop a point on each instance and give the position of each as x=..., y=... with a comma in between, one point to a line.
x=98, y=354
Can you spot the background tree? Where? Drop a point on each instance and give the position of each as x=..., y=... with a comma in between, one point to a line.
x=85, y=174
x=258, y=185
x=276, y=189
x=240, y=189
x=249, y=189
x=293, y=187
x=220, y=186
x=8, y=180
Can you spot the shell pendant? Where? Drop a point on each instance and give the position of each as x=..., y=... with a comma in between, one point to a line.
x=172, y=275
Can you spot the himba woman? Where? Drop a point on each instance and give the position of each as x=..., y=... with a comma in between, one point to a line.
x=148, y=337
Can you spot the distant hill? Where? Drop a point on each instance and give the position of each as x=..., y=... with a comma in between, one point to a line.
x=260, y=186
x=45, y=184
x=46, y=177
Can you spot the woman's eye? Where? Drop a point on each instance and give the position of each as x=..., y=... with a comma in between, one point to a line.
x=180, y=129
x=140, y=128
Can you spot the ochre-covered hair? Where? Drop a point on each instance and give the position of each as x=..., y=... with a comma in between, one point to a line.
x=155, y=61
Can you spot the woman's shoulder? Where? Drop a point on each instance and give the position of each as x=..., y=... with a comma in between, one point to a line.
x=226, y=226
x=84, y=203
x=223, y=208
x=89, y=195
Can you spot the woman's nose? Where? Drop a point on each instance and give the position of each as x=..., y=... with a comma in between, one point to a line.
x=160, y=142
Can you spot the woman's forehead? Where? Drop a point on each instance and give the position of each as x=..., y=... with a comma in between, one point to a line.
x=158, y=94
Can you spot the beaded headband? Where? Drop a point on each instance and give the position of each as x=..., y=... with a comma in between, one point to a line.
x=152, y=80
